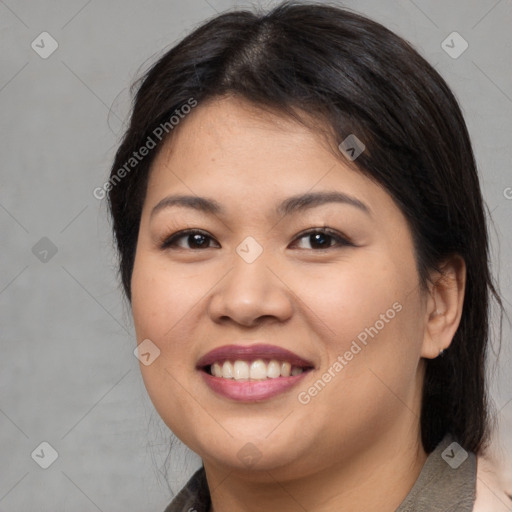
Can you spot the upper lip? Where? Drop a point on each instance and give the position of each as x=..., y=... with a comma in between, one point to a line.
x=251, y=353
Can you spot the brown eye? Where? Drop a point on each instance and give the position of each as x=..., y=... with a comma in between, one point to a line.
x=193, y=239
x=323, y=239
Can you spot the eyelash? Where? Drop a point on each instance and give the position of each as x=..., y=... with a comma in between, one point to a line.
x=170, y=242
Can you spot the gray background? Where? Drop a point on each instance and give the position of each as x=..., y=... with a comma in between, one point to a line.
x=68, y=375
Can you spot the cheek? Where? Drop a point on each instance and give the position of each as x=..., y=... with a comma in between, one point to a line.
x=368, y=311
x=163, y=300
x=353, y=295
x=372, y=346
x=164, y=308
x=163, y=311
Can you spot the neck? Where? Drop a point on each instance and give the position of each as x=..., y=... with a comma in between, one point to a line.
x=378, y=478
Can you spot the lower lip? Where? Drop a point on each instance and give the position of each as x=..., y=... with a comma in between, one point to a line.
x=251, y=391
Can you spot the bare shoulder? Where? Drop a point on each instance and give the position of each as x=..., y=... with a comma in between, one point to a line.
x=493, y=488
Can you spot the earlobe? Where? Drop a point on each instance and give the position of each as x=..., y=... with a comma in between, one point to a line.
x=444, y=306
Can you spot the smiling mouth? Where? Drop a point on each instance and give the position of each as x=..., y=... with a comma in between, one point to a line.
x=255, y=370
x=252, y=373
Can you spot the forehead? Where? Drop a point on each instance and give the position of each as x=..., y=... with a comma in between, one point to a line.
x=231, y=150
x=230, y=128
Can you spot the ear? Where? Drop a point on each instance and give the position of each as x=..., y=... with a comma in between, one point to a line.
x=444, y=304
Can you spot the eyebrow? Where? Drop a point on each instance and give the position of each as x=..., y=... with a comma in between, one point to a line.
x=290, y=205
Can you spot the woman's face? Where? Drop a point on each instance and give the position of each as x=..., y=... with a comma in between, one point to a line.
x=346, y=303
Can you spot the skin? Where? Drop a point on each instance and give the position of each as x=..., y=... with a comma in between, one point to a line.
x=356, y=445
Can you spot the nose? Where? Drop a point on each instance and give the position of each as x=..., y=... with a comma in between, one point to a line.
x=251, y=293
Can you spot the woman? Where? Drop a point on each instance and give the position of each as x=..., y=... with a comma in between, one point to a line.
x=302, y=240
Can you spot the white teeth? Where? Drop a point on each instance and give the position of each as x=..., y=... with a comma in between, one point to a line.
x=240, y=370
x=227, y=370
x=273, y=369
x=255, y=370
x=258, y=369
x=216, y=370
x=285, y=369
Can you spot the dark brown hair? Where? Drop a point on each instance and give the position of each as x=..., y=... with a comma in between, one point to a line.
x=359, y=78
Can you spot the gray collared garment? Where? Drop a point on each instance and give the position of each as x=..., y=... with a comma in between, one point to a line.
x=447, y=483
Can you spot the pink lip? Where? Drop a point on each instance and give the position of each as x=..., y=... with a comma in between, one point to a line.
x=250, y=353
x=251, y=391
